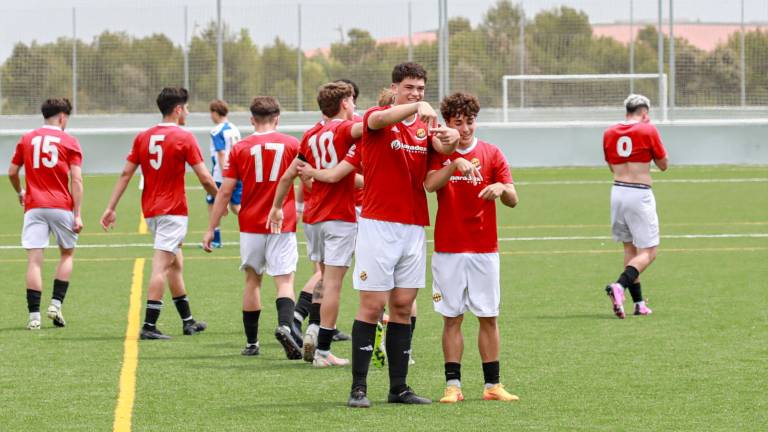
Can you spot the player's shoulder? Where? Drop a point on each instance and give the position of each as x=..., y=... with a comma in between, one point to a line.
x=286, y=139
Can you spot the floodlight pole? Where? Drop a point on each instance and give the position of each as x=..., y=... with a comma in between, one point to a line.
x=219, y=54
x=74, y=61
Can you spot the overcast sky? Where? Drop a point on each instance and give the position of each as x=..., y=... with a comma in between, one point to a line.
x=46, y=20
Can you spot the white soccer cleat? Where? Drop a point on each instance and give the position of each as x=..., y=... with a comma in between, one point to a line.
x=310, y=343
x=54, y=313
x=328, y=360
x=33, y=324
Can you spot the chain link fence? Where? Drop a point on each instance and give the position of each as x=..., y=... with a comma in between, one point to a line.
x=113, y=58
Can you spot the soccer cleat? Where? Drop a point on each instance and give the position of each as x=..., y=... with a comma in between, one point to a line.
x=497, y=392
x=340, y=336
x=250, y=350
x=616, y=292
x=358, y=398
x=296, y=333
x=452, y=395
x=148, y=334
x=310, y=343
x=33, y=324
x=54, y=313
x=216, y=245
x=328, y=360
x=407, y=396
x=194, y=327
x=284, y=336
x=642, y=310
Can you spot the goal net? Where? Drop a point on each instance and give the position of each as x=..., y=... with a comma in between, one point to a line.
x=578, y=97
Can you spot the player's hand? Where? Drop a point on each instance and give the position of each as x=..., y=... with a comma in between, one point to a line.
x=108, y=219
x=468, y=169
x=275, y=220
x=207, y=239
x=78, y=225
x=306, y=171
x=492, y=191
x=22, y=195
x=445, y=135
x=427, y=114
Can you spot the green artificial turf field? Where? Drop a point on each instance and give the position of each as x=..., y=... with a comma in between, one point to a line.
x=700, y=362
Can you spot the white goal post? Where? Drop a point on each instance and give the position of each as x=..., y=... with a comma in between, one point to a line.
x=629, y=78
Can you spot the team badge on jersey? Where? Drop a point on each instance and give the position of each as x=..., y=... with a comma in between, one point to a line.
x=363, y=275
x=437, y=297
x=476, y=162
x=421, y=133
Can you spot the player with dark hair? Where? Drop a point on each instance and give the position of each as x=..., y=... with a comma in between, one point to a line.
x=52, y=199
x=162, y=152
x=259, y=161
x=465, y=264
x=223, y=136
x=629, y=148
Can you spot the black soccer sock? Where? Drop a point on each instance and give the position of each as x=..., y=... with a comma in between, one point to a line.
x=627, y=278
x=636, y=291
x=314, y=314
x=182, y=306
x=413, y=325
x=251, y=326
x=324, y=338
x=284, y=311
x=491, y=372
x=152, y=313
x=363, y=336
x=33, y=300
x=452, y=371
x=302, y=306
x=398, y=345
x=60, y=290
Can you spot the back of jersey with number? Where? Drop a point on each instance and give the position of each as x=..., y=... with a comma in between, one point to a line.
x=259, y=161
x=163, y=152
x=46, y=155
x=323, y=148
x=632, y=142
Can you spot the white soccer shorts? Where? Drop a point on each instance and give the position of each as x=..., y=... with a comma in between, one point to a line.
x=389, y=255
x=275, y=253
x=466, y=282
x=39, y=223
x=331, y=242
x=168, y=231
x=633, y=216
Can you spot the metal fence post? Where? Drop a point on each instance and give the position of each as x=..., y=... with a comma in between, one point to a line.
x=440, y=59
x=743, y=58
x=521, y=49
x=631, y=45
x=446, y=48
x=672, y=84
x=410, y=33
x=300, y=60
x=660, y=49
x=185, y=48
x=219, y=54
x=74, y=61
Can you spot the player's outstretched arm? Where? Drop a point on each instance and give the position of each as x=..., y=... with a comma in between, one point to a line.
x=76, y=189
x=15, y=179
x=445, y=140
x=328, y=175
x=436, y=179
x=205, y=178
x=505, y=192
x=218, y=210
x=109, y=217
x=275, y=218
x=398, y=113
x=357, y=130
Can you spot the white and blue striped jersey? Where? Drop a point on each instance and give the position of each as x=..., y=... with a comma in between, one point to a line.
x=223, y=137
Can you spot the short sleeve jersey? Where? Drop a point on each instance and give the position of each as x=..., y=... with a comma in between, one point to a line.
x=353, y=157
x=324, y=148
x=259, y=161
x=632, y=142
x=162, y=152
x=223, y=137
x=466, y=223
x=46, y=154
x=395, y=163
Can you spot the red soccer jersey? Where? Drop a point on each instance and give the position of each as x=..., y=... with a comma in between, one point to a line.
x=324, y=147
x=465, y=222
x=353, y=157
x=162, y=152
x=46, y=155
x=395, y=163
x=632, y=142
x=259, y=161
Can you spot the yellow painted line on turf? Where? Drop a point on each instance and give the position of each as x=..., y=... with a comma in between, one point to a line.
x=142, y=224
x=127, y=395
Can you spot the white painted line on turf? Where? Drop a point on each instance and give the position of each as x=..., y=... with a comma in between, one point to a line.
x=127, y=395
x=608, y=182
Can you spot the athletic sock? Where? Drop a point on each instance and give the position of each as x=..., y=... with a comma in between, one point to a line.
x=636, y=291
x=491, y=373
x=398, y=345
x=182, y=306
x=413, y=325
x=453, y=374
x=301, y=311
x=363, y=336
x=324, y=338
x=284, y=311
x=314, y=314
x=152, y=313
x=33, y=300
x=59, y=291
x=627, y=278
x=251, y=326
x=217, y=235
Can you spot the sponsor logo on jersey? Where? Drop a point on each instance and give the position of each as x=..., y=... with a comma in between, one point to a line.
x=363, y=275
x=397, y=146
x=437, y=297
x=421, y=133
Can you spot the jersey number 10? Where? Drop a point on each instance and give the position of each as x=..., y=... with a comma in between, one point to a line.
x=326, y=156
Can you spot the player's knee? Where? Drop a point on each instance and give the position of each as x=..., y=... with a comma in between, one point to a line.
x=650, y=254
x=487, y=322
x=454, y=322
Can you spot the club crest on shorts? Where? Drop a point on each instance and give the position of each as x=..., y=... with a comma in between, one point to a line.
x=421, y=133
x=437, y=297
x=363, y=275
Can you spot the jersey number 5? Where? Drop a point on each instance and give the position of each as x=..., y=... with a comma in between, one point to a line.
x=155, y=149
x=47, y=146
x=624, y=146
x=256, y=152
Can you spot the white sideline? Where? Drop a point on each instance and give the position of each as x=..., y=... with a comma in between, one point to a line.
x=194, y=245
x=607, y=182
